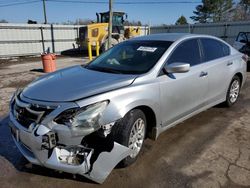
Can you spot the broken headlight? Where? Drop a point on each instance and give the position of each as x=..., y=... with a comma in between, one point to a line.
x=87, y=117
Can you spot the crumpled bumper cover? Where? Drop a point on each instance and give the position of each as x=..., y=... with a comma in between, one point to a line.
x=94, y=164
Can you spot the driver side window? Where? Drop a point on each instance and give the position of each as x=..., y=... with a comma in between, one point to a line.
x=186, y=52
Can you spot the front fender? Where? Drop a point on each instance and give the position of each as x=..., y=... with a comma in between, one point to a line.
x=125, y=99
x=142, y=103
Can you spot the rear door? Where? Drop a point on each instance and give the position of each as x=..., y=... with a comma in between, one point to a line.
x=216, y=58
x=183, y=93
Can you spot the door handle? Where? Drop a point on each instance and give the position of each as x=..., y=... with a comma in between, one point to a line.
x=203, y=74
x=229, y=63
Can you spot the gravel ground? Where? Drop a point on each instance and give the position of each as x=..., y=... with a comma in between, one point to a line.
x=211, y=149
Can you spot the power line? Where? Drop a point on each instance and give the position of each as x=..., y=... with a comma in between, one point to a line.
x=127, y=2
x=4, y=2
x=20, y=3
x=12, y=1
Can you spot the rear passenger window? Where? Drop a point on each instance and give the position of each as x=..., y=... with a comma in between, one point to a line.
x=226, y=49
x=214, y=49
x=187, y=52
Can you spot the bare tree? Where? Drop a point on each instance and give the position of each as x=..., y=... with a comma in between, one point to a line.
x=240, y=12
x=83, y=21
x=132, y=23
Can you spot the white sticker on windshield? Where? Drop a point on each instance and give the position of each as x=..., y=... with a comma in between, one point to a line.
x=146, y=49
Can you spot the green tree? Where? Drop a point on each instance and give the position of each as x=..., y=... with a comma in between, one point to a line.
x=3, y=21
x=203, y=12
x=211, y=10
x=181, y=21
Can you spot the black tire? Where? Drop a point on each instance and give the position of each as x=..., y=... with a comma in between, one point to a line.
x=122, y=130
x=229, y=101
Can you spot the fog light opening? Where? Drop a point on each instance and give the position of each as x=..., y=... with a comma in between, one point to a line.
x=49, y=140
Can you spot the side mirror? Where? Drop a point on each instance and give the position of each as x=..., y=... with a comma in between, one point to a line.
x=177, y=68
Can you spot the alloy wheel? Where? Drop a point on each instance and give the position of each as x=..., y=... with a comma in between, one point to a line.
x=234, y=91
x=136, y=137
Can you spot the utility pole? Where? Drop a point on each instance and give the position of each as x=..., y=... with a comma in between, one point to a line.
x=44, y=12
x=110, y=23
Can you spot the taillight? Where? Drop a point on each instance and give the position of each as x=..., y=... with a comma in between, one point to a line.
x=245, y=57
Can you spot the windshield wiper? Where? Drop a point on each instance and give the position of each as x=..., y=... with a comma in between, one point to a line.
x=104, y=69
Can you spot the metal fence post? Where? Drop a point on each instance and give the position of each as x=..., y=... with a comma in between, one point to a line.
x=77, y=35
x=192, y=28
x=225, y=32
x=52, y=38
x=42, y=37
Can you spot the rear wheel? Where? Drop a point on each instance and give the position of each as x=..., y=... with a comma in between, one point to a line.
x=130, y=132
x=233, y=91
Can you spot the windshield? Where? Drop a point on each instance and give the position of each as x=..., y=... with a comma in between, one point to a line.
x=130, y=57
x=105, y=18
x=117, y=19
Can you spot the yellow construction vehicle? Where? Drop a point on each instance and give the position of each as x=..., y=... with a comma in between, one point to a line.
x=98, y=32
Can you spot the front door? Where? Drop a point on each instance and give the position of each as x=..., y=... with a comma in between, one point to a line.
x=183, y=93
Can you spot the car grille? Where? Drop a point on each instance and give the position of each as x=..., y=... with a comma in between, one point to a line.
x=26, y=113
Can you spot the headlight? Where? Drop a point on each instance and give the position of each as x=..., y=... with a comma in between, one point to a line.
x=87, y=117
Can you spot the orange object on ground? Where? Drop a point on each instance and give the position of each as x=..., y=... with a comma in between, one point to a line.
x=49, y=63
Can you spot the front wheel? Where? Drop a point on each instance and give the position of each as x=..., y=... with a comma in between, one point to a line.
x=233, y=91
x=130, y=132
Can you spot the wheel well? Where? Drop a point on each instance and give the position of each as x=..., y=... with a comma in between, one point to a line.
x=240, y=76
x=150, y=118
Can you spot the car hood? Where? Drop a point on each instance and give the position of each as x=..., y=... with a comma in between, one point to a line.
x=74, y=83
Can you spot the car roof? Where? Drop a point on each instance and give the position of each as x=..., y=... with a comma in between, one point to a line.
x=168, y=36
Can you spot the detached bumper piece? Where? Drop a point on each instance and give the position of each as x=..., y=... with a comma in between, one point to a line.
x=94, y=158
x=77, y=160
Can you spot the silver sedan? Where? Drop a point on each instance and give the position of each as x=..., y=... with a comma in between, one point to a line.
x=87, y=119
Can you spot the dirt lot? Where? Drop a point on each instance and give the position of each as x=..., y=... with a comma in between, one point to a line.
x=211, y=149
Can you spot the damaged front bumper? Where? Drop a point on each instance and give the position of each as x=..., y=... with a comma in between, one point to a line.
x=90, y=155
